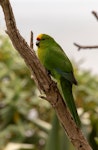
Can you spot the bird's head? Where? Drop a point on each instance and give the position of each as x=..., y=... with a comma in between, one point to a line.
x=43, y=40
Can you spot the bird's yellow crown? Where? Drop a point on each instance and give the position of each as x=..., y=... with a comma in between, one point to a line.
x=39, y=36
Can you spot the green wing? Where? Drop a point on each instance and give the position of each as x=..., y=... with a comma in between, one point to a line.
x=67, y=75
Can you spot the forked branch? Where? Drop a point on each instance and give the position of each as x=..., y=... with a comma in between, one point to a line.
x=85, y=46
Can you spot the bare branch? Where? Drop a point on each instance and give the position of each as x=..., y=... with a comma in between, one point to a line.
x=85, y=47
x=88, y=47
x=95, y=14
x=31, y=40
x=33, y=77
x=44, y=81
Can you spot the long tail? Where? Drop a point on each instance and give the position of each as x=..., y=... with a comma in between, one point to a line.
x=66, y=88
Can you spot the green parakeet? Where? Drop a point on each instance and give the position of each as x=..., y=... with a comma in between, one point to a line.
x=52, y=56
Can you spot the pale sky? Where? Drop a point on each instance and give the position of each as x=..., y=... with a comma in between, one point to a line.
x=68, y=21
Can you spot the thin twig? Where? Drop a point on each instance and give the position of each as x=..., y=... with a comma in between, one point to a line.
x=85, y=47
x=88, y=47
x=32, y=73
x=31, y=40
x=95, y=14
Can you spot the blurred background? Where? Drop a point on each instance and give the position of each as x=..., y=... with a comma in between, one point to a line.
x=26, y=121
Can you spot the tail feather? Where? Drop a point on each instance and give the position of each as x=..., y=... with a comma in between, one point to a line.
x=66, y=88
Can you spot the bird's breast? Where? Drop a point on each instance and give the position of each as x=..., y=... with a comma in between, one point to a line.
x=42, y=55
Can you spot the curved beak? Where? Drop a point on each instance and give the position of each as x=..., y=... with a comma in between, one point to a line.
x=37, y=42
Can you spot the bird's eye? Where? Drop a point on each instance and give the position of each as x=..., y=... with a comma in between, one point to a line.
x=43, y=39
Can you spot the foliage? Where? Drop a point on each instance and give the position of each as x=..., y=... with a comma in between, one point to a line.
x=22, y=112
x=18, y=99
x=87, y=99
